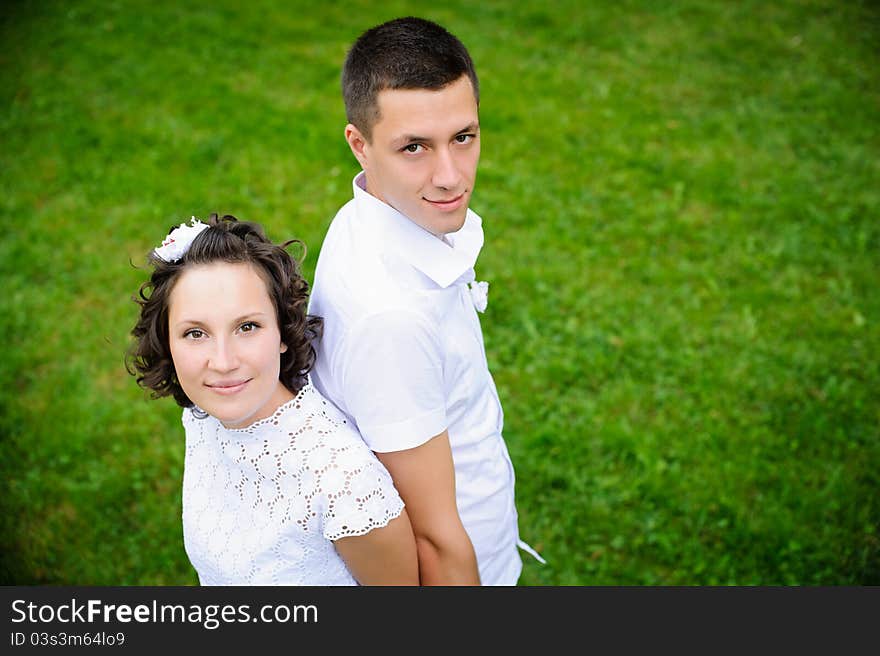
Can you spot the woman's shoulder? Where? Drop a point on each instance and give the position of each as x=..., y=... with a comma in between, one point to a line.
x=308, y=421
x=331, y=421
x=311, y=419
x=338, y=437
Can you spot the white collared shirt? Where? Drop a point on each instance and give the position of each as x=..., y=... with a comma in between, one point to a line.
x=402, y=356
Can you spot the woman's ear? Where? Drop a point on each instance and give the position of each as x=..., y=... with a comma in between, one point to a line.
x=283, y=348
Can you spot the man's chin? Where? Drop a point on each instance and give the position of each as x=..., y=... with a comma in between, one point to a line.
x=459, y=223
x=445, y=223
x=448, y=226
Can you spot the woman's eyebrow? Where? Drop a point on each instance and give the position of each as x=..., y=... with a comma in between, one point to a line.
x=240, y=319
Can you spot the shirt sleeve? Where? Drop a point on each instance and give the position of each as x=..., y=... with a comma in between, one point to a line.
x=360, y=494
x=392, y=380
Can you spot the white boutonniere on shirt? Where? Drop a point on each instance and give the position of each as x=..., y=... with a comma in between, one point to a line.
x=178, y=241
x=480, y=294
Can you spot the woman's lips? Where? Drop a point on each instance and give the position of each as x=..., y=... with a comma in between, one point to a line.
x=228, y=387
x=447, y=205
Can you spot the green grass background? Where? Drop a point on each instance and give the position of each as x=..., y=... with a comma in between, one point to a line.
x=681, y=207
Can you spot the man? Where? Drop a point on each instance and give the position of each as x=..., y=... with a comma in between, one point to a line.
x=402, y=353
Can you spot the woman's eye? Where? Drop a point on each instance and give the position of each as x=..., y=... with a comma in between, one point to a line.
x=194, y=333
x=248, y=327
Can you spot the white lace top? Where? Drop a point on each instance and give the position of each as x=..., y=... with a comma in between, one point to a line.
x=262, y=504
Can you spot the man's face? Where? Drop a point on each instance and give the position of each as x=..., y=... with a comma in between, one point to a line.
x=422, y=158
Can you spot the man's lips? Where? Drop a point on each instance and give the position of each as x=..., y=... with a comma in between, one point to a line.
x=228, y=386
x=447, y=205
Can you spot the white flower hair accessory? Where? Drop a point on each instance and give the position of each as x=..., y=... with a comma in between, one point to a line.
x=178, y=241
x=480, y=295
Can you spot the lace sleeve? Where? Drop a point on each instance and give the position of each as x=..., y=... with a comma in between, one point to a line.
x=360, y=494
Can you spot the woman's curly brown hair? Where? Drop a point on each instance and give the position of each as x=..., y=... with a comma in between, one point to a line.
x=226, y=240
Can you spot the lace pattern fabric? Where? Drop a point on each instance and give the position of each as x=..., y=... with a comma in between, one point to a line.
x=262, y=505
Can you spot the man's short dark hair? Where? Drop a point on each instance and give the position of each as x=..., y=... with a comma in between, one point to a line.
x=405, y=53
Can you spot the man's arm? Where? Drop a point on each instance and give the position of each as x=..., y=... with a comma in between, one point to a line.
x=425, y=479
x=384, y=556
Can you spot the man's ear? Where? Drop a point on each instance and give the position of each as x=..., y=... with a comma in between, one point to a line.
x=358, y=144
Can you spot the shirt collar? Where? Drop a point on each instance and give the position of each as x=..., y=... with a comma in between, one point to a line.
x=442, y=263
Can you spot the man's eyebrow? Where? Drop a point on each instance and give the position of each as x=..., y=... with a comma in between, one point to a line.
x=404, y=139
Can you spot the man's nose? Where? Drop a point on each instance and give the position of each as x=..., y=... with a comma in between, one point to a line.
x=446, y=172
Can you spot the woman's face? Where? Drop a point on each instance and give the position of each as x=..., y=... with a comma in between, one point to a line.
x=225, y=343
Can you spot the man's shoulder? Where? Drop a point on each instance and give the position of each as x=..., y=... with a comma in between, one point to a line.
x=357, y=275
x=337, y=258
x=342, y=222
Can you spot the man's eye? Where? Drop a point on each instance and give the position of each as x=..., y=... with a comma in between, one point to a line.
x=463, y=138
x=412, y=148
